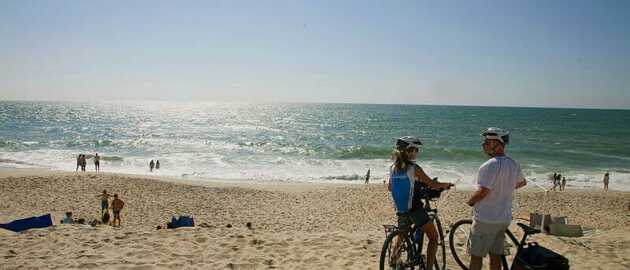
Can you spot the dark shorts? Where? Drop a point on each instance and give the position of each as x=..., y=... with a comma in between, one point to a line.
x=418, y=216
x=104, y=205
x=116, y=211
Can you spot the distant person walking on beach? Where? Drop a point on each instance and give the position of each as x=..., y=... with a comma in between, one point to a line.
x=492, y=213
x=157, y=165
x=97, y=162
x=117, y=206
x=78, y=162
x=83, y=163
x=606, y=181
x=104, y=202
x=563, y=184
x=367, y=177
x=151, y=166
x=556, y=181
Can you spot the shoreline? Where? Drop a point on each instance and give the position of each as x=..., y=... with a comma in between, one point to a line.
x=209, y=182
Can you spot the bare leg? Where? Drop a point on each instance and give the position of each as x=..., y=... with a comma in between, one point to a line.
x=476, y=263
x=495, y=262
x=429, y=229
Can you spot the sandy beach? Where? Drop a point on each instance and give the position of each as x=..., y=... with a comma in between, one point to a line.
x=294, y=225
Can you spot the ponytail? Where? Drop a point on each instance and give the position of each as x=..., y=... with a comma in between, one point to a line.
x=401, y=158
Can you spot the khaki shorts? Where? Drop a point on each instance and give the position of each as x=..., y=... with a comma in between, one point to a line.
x=486, y=238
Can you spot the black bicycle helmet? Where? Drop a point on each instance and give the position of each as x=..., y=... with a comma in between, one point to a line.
x=408, y=142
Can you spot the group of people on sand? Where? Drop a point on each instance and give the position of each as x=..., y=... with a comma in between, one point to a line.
x=154, y=165
x=82, y=162
x=559, y=181
x=497, y=179
x=116, y=206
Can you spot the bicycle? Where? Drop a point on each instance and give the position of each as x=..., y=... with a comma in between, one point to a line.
x=408, y=253
x=458, y=241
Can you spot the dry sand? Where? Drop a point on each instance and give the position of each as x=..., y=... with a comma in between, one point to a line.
x=295, y=226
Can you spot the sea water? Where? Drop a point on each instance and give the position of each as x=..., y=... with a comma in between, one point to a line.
x=311, y=142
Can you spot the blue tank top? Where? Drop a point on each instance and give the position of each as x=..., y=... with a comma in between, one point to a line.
x=402, y=183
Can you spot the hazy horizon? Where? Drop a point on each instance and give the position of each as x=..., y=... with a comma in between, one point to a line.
x=289, y=102
x=563, y=54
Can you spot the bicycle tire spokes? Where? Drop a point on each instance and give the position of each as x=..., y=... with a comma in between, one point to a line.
x=459, y=245
x=397, y=252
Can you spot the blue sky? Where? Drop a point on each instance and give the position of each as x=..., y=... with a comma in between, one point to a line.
x=497, y=53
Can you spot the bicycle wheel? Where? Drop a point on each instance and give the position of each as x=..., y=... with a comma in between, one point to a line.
x=440, y=255
x=458, y=241
x=397, y=252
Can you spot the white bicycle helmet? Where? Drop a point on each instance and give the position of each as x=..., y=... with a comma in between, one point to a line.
x=408, y=142
x=495, y=133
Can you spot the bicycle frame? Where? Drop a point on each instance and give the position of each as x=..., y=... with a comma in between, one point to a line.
x=417, y=244
x=519, y=244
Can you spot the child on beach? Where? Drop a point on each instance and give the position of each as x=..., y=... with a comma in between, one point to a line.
x=404, y=174
x=104, y=201
x=117, y=206
x=606, y=181
x=67, y=219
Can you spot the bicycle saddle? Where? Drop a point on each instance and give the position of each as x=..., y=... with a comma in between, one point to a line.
x=527, y=229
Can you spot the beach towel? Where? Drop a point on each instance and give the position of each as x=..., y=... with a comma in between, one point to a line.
x=28, y=223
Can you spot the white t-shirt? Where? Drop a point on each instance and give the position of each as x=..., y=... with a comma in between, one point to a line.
x=500, y=175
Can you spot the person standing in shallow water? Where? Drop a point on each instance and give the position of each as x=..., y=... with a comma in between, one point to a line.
x=367, y=177
x=157, y=164
x=151, y=166
x=78, y=162
x=97, y=162
x=83, y=162
x=606, y=181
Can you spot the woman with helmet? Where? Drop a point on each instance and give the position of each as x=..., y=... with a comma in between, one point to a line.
x=404, y=174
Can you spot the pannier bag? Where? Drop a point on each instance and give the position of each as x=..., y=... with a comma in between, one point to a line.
x=535, y=257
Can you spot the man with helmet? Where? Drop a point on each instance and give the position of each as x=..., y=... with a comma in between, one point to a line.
x=496, y=181
x=404, y=174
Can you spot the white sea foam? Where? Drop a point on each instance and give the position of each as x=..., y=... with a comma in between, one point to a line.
x=274, y=168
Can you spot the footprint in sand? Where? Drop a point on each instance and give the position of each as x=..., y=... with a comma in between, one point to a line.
x=256, y=242
x=201, y=239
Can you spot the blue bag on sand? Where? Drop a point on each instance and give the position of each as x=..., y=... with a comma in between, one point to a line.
x=186, y=221
x=28, y=223
x=182, y=221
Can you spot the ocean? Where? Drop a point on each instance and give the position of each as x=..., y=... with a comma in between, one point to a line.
x=334, y=143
